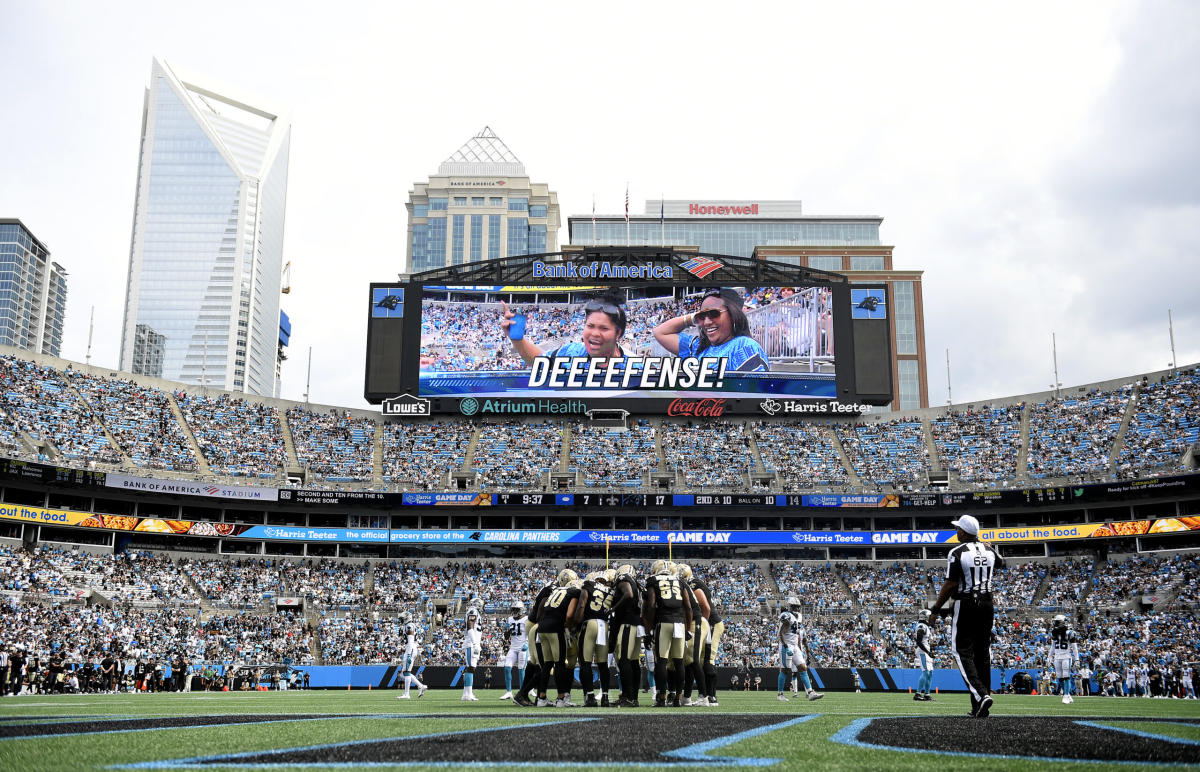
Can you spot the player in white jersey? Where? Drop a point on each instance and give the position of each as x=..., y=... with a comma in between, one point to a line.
x=1063, y=655
x=516, y=635
x=408, y=660
x=923, y=636
x=1144, y=679
x=1130, y=680
x=792, y=660
x=472, y=641
x=1189, y=688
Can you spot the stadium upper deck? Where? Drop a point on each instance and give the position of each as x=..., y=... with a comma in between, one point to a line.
x=72, y=415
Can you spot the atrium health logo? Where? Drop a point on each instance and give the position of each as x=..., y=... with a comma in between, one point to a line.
x=469, y=406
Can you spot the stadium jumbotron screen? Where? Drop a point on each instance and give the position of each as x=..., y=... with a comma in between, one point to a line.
x=627, y=342
x=670, y=333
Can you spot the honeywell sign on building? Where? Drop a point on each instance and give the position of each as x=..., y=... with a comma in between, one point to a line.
x=730, y=209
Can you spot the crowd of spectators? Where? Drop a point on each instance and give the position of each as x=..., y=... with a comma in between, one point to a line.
x=237, y=437
x=334, y=445
x=1166, y=421
x=887, y=452
x=513, y=454
x=1116, y=582
x=1018, y=584
x=422, y=455
x=237, y=584
x=607, y=457
x=140, y=420
x=886, y=588
x=39, y=401
x=324, y=583
x=1073, y=436
x=1066, y=582
x=406, y=584
x=708, y=455
x=802, y=455
x=979, y=445
x=814, y=585
x=59, y=573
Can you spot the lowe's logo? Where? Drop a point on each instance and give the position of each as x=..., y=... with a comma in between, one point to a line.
x=406, y=405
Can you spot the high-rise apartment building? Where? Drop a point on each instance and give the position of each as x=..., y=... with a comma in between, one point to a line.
x=205, y=257
x=33, y=292
x=479, y=206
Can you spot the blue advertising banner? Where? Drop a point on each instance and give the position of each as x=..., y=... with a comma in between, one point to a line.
x=647, y=538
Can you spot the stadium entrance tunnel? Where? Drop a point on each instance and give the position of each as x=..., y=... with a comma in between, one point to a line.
x=1130, y=740
x=558, y=740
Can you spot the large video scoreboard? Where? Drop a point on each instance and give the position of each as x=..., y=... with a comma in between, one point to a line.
x=645, y=331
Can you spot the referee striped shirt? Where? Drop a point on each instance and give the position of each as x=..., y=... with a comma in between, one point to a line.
x=973, y=566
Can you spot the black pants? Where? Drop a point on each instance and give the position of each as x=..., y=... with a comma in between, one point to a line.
x=971, y=642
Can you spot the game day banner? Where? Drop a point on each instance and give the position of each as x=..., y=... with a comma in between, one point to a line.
x=43, y=516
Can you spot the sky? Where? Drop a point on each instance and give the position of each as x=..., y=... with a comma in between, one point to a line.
x=1040, y=162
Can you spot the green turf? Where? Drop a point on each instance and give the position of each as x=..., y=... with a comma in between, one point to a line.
x=804, y=745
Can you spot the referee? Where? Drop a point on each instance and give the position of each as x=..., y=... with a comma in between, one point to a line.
x=970, y=577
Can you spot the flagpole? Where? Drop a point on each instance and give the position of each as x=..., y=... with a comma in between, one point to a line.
x=595, y=241
x=662, y=219
x=627, y=214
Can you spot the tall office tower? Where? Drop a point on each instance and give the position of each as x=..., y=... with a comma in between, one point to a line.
x=202, y=297
x=479, y=206
x=33, y=292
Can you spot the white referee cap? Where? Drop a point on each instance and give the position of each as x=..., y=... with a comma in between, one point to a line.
x=967, y=523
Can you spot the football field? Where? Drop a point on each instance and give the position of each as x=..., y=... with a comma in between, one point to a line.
x=337, y=729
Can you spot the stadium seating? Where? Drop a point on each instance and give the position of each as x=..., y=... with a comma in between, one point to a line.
x=888, y=452
x=333, y=445
x=613, y=458
x=237, y=437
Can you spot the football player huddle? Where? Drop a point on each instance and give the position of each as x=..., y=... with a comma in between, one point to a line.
x=610, y=620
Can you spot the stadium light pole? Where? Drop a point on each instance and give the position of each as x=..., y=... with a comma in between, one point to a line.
x=308, y=378
x=1054, y=352
x=949, y=391
x=1170, y=330
x=92, y=326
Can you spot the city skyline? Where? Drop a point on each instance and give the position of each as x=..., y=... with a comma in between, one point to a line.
x=1042, y=174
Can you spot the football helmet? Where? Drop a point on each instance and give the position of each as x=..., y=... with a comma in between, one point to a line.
x=566, y=576
x=793, y=604
x=684, y=570
x=1059, y=619
x=658, y=567
x=517, y=608
x=924, y=614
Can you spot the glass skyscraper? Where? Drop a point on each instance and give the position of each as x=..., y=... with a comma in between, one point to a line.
x=33, y=292
x=479, y=206
x=205, y=257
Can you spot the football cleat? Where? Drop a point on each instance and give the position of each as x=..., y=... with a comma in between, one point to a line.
x=506, y=696
x=985, y=707
x=815, y=696
x=781, y=698
x=542, y=703
x=590, y=701
x=404, y=697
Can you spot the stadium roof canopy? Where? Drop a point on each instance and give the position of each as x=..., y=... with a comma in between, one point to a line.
x=731, y=270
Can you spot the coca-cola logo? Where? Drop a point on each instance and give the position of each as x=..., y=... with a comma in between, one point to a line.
x=697, y=408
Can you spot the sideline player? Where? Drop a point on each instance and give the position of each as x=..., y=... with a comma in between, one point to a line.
x=712, y=650
x=792, y=660
x=970, y=577
x=472, y=641
x=923, y=637
x=408, y=660
x=518, y=647
x=595, y=603
x=666, y=615
x=1063, y=656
